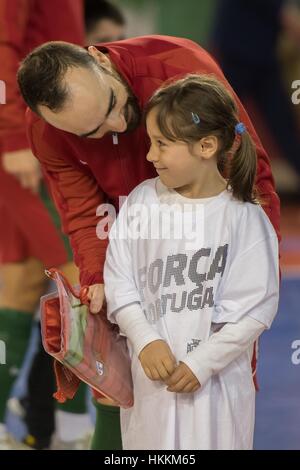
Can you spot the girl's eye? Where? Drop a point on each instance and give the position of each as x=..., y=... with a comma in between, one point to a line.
x=160, y=143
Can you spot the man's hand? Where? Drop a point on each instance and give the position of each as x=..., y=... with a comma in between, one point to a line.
x=183, y=380
x=96, y=297
x=23, y=165
x=157, y=360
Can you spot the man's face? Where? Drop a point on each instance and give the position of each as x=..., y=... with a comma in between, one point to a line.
x=98, y=103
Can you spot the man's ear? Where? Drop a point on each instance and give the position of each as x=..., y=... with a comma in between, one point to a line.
x=101, y=58
x=206, y=147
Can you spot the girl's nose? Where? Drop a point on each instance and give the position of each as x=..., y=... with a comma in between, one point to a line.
x=152, y=155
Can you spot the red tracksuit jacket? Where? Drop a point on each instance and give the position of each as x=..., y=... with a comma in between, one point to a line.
x=83, y=173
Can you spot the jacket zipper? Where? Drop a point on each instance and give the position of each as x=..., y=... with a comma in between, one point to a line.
x=115, y=139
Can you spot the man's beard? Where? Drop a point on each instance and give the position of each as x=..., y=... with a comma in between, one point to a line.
x=133, y=114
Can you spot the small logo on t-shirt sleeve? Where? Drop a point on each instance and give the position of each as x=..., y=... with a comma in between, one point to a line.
x=192, y=345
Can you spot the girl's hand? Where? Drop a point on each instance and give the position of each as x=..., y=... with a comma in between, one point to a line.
x=157, y=360
x=96, y=297
x=183, y=380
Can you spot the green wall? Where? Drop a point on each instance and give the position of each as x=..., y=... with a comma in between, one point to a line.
x=187, y=18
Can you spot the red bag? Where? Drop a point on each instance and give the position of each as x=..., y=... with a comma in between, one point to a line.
x=85, y=346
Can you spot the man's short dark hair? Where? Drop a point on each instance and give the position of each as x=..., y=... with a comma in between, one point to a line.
x=96, y=10
x=41, y=74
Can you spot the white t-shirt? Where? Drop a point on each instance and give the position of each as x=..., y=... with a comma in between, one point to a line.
x=226, y=273
x=234, y=272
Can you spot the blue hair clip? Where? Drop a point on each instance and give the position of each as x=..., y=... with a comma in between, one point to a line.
x=240, y=128
x=195, y=118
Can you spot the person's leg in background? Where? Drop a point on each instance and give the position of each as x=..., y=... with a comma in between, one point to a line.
x=74, y=426
x=107, y=435
x=16, y=314
x=39, y=407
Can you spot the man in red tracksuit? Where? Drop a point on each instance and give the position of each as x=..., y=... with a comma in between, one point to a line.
x=88, y=135
x=29, y=239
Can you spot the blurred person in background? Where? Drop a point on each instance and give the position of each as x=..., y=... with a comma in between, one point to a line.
x=245, y=39
x=104, y=22
x=30, y=237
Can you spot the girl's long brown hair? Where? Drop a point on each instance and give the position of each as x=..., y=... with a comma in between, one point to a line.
x=208, y=99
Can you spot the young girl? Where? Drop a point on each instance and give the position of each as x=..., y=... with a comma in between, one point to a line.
x=193, y=305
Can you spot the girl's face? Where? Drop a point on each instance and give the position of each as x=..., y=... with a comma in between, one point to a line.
x=173, y=161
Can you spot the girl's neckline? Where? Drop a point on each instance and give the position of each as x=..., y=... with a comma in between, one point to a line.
x=166, y=194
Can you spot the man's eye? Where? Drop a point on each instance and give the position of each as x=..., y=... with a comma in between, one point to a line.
x=113, y=104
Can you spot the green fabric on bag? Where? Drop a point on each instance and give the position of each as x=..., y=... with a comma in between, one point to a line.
x=78, y=327
x=107, y=434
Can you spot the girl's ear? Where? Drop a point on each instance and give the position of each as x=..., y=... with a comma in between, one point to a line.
x=101, y=58
x=206, y=147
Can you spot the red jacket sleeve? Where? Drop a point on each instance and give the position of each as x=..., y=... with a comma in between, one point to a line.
x=76, y=195
x=13, y=23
